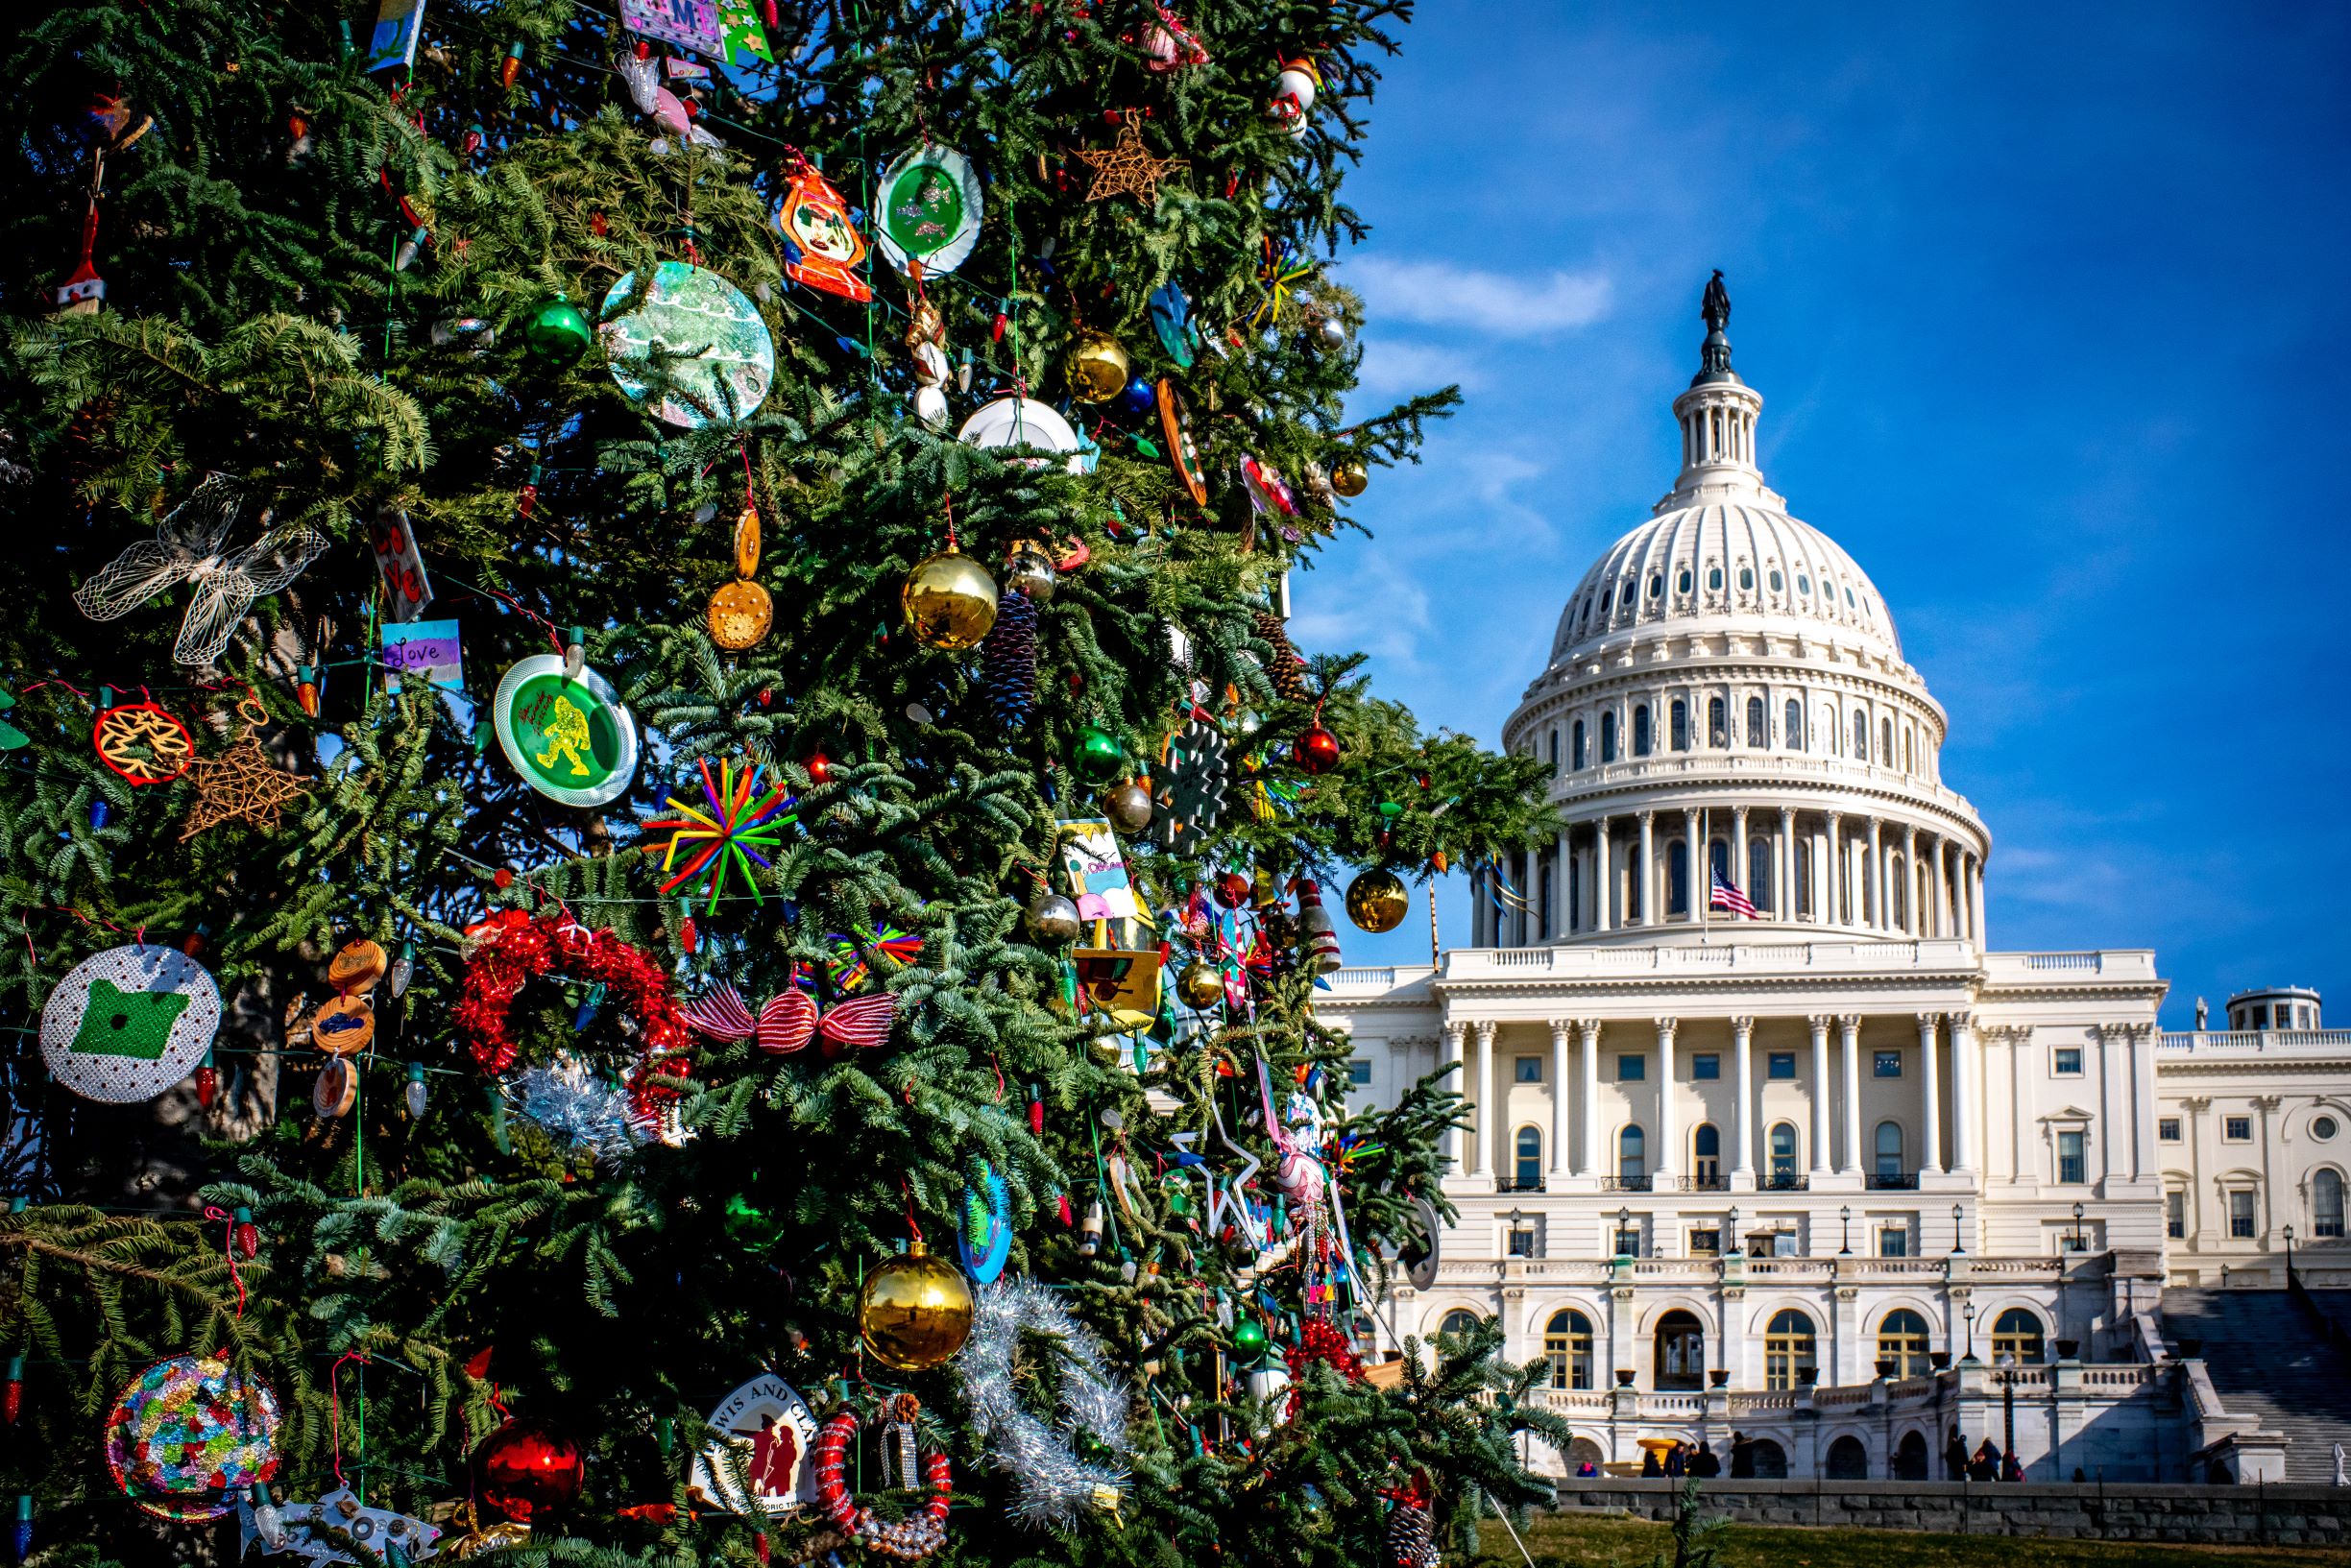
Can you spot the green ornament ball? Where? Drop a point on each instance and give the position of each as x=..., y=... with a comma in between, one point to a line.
x=1248, y=1336
x=1098, y=757
x=557, y=333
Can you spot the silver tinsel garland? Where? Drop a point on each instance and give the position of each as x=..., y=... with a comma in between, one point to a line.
x=1053, y=1486
x=570, y=1102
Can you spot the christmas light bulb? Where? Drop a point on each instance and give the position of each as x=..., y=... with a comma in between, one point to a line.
x=415, y=1091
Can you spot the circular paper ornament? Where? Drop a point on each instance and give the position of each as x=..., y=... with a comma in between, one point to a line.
x=692, y=311
x=191, y=1432
x=130, y=1023
x=570, y=739
x=772, y=1429
x=914, y=1311
x=928, y=209
x=1024, y=421
x=1376, y=899
x=142, y=742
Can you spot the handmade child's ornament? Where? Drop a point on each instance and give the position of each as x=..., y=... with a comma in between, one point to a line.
x=927, y=209
x=824, y=247
x=128, y=1022
x=700, y=335
x=568, y=737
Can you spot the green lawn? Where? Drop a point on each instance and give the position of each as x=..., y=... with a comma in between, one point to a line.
x=1625, y=1543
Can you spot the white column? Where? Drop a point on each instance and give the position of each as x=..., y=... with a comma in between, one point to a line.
x=1481, y=1152
x=1931, y=1153
x=1819, y=1023
x=1453, y=1033
x=1742, y=1038
x=1558, y=1097
x=1834, y=913
x=1738, y=849
x=2143, y=1037
x=1602, y=890
x=1963, y=1091
x=1693, y=876
x=1947, y=893
x=1644, y=875
x=1876, y=873
x=1978, y=880
x=1783, y=896
x=1666, y=1162
x=1849, y=1040
x=1595, y=1158
x=1913, y=924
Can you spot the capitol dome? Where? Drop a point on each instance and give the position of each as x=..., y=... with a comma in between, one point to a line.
x=1727, y=675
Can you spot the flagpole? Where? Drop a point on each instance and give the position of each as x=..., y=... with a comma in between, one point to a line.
x=1703, y=854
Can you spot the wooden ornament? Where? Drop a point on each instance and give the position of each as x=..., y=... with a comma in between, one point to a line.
x=343, y=1027
x=1175, y=424
x=356, y=966
x=1127, y=168
x=337, y=1089
x=741, y=616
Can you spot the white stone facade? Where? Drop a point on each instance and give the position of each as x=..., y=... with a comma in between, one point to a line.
x=1744, y=1165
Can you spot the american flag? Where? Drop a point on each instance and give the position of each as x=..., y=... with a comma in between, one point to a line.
x=1727, y=897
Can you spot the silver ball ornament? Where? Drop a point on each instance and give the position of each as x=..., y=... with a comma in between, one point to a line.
x=1054, y=918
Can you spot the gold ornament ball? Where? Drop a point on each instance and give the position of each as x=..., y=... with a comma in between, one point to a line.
x=1201, y=986
x=914, y=1311
x=1098, y=369
x=740, y=612
x=1377, y=901
x=1029, y=570
x=1130, y=807
x=1349, y=477
x=950, y=601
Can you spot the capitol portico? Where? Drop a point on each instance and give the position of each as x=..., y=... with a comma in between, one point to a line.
x=1834, y=1173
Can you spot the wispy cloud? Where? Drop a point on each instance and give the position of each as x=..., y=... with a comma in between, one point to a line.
x=1499, y=304
x=1391, y=369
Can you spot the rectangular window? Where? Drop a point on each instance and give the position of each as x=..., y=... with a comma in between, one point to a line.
x=1705, y=1243
x=1780, y=1064
x=1530, y=1069
x=2237, y=1129
x=1359, y=1072
x=2071, y=1163
x=2069, y=1061
x=2240, y=1215
x=2166, y=1128
x=1522, y=1242
x=1628, y=1242
x=1885, y=1064
x=1894, y=1242
x=1705, y=1065
x=1631, y=1069
x=2175, y=1216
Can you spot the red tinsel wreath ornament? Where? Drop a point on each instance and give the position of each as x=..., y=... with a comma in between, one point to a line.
x=512, y=956
x=1319, y=1339
x=919, y=1534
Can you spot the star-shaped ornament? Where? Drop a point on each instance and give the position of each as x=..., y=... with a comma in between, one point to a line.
x=243, y=784
x=1127, y=168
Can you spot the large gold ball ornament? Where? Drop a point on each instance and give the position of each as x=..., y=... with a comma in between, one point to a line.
x=1376, y=900
x=1098, y=368
x=950, y=600
x=914, y=1311
x=1201, y=986
x=1349, y=477
x=740, y=612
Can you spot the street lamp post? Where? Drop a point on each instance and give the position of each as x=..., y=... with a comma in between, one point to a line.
x=1956, y=1212
x=1624, y=1222
x=2290, y=1255
x=1968, y=1313
x=2009, y=1407
x=2077, y=1219
x=1845, y=1218
x=1731, y=1240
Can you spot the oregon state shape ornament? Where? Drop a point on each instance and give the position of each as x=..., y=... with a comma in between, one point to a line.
x=825, y=248
x=928, y=209
x=130, y=1023
x=769, y=1430
x=568, y=737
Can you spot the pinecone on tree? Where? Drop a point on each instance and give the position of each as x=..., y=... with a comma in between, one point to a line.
x=1411, y=1537
x=1008, y=662
x=1287, y=671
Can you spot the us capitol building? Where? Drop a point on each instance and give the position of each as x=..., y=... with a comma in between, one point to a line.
x=1839, y=1176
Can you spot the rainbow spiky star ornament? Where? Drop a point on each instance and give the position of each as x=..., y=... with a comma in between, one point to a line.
x=744, y=819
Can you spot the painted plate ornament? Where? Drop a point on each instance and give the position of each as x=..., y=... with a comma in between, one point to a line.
x=570, y=738
x=726, y=358
x=770, y=1427
x=1024, y=421
x=929, y=210
x=130, y=1023
x=191, y=1432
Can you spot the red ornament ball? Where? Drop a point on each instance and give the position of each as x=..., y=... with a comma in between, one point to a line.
x=1317, y=750
x=526, y=1469
x=1232, y=890
x=819, y=769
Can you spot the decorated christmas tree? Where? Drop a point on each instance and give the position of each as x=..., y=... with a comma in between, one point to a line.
x=666, y=861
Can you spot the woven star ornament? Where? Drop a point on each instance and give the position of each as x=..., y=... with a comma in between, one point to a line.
x=1127, y=168
x=190, y=547
x=243, y=784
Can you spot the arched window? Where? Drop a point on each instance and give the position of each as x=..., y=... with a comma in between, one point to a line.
x=1777, y=581
x=2326, y=1203
x=1889, y=1150
x=1460, y=1320
x=1682, y=583
x=2017, y=1332
x=1657, y=585
x=1632, y=1163
x=1848, y=1459
x=1676, y=878
x=1604, y=595
x=1897, y=878
x=1794, y=739
x=1608, y=737
x=1800, y=896
x=1746, y=579
x=1910, y=1457
x=1787, y=1349
x=1901, y=1339
x=1784, y=1153
x=1908, y=753
x=1575, y=747
x=1759, y=733
x=1760, y=872
x=1680, y=1351
x=1860, y=737
x=1567, y=1341
x=1885, y=742
x=1529, y=1159
x=1575, y=893
x=1542, y=905
x=1681, y=725
x=1706, y=1154
x=1555, y=749
x=1718, y=723
x=1714, y=578
x=1641, y=730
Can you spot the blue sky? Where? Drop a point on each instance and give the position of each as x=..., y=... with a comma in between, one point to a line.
x=2048, y=307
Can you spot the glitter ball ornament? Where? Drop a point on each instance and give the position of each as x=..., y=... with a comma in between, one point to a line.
x=914, y=1311
x=557, y=334
x=1317, y=750
x=1349, y=477
x=1054, y=919
x=526, y=1469
x=1098, y=369
x=1008, y=662
x=1098, y=758
x=1376, y=899
x=1130, y=807
x=191, y=1432
x=950, y=600
x=1029, y=571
